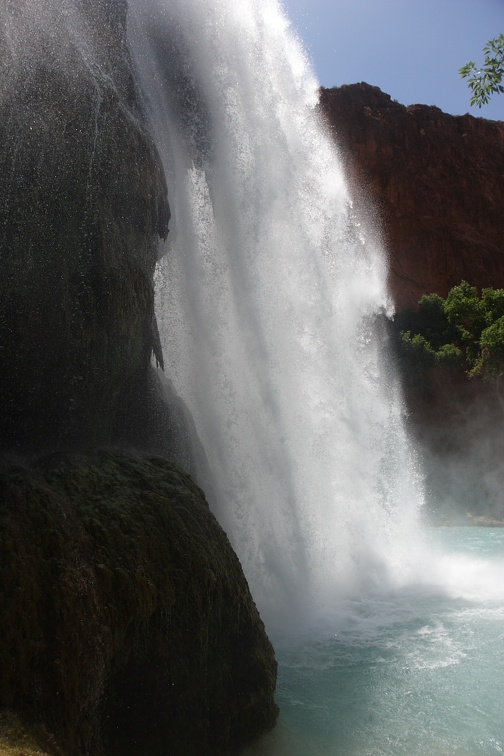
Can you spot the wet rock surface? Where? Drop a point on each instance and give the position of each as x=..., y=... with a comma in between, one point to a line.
x=84, y=203
x=126, y=622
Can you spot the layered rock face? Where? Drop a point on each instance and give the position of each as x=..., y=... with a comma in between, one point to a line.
x=436, y=181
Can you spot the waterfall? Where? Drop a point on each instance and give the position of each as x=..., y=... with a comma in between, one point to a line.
x=271, y=300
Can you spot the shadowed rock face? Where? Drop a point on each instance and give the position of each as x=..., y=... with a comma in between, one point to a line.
x=126, y=623
x=127, y=626
x=437, y=184
x=84, y=202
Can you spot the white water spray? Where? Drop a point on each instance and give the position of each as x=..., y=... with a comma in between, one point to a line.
x=269, y=302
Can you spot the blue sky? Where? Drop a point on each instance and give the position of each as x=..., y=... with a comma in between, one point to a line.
x=411, y=49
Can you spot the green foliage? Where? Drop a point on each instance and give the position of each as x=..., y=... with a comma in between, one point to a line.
x=465, y=313
x=465, y=330
x=417, y=350
x=450, y=355
x=432, y=321
x=462, y=304
x=486, y=81
x=490, y=361
x=493, y=304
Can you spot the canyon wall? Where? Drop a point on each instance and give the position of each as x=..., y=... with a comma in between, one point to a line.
x=436, y=181
x=434, y=186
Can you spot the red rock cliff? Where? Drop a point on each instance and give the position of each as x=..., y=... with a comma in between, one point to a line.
x=437, y=182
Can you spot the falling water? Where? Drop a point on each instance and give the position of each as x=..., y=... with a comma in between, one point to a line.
x=271, y=298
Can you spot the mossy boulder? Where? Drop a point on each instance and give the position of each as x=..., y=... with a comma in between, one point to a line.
x=18, y=737
x=126, y=624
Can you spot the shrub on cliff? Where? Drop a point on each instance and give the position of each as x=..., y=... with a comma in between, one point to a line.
x=464, y=331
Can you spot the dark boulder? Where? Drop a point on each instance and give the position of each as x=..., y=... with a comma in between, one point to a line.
x=126, y=624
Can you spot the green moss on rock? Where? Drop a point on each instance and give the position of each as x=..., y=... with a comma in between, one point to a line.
x=18, y=737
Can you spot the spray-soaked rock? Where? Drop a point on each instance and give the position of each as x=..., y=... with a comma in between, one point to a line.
x=84, y=203
x=126, y=624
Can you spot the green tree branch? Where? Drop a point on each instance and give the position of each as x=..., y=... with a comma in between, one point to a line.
x=464, y=331
x=486, y=81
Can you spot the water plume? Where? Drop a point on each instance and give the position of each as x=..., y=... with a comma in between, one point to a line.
x=271, y=299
